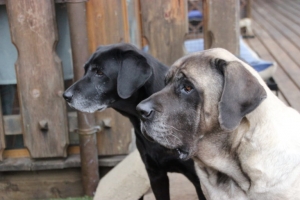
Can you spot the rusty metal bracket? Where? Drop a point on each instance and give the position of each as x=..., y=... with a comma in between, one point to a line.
x=89, y=131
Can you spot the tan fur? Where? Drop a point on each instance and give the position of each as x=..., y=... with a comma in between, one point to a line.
x=266, y=143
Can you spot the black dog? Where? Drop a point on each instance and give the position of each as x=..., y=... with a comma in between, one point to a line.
x=120, y=76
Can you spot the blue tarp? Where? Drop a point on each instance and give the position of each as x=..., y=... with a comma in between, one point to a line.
x=246, y=54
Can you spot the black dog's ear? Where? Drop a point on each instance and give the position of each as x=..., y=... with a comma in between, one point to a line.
x=242, y=93
x=133, y=73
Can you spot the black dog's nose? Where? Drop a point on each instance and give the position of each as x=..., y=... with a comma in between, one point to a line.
x=145, y=110
x=68, y=96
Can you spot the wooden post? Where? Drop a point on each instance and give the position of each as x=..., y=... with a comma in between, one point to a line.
x=2, y=135
x=249, y=9
x=134, y=18
x=107, y=23
x=221, y=24
x=164, y=24
x=39, y=77
x=86, y=122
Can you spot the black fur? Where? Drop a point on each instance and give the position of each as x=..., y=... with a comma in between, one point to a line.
x=130, y=76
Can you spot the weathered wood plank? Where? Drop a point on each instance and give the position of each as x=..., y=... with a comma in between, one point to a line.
x=41, y=185
x=2, y=2
x=2, y=136
x=281, y=23
x=13, y=125
x=107, y=24
x=221, y=24
x=70, y=1
x=285, y=44
x=282, y=57
x=134, y=22
x=281, y=8
x=27, y=164
x=286, y=86
x=24, y=153
x=165, y=25
x=115, y=136
x=16, y=153
x=39, y=77
x=289, y=7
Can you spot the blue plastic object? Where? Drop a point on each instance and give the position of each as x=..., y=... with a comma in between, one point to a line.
x=246, y=54
x=195, y=15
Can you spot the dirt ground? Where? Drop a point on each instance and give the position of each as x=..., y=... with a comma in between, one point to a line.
x=180, y=188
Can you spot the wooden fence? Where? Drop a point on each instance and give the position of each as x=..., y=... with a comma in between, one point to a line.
x=48, y=127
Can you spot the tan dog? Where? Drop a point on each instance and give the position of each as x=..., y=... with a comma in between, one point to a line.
x=217, y=110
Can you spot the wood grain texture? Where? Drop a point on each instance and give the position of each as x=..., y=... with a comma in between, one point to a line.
x=221, y=24
x=2, y=135
x=113, y=140
x=28, y=164
x=134, y=22
x=24, y=153
x=164, y=25
x=39, y=76
x=287, y=88
x=107, y=23
x=41, y=185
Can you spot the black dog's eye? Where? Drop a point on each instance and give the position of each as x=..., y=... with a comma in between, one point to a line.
x=187, y=88
x=99, y=72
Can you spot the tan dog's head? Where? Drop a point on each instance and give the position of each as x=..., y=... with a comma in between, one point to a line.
x=206, y=92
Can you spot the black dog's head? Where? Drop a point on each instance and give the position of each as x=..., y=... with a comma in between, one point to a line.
x=113, y=72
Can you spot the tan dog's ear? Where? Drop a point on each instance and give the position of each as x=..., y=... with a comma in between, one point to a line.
x=242, y=93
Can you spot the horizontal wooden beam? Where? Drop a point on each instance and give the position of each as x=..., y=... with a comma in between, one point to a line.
x=28, y=164
x=2, y=2
x=70, y=1
x=24, y=153
x=13, y=124
x=46, y=184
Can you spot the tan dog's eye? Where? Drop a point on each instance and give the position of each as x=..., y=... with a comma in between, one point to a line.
x=187, y=88
x=99, y=72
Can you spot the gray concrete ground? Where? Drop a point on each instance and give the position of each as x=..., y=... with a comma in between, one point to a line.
x=129, y=181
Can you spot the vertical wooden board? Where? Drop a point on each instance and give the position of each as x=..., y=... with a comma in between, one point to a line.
x=221, y=24
x=115, y=137
x=107, y=23
x=2, y=135
x=39, y=77
x=134, y=22
x=164, y=25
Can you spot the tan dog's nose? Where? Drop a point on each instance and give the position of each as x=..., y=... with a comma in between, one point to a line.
x=145, y=110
